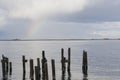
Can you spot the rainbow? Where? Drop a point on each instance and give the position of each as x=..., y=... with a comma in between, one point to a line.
x=33, y=28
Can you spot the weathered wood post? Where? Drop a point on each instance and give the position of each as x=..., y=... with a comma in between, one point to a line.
x=37, y=73
x=3, y=67
x=7, y=64
x=10, y=73
x=38, y=64
x=63, y=59
x=44, y=60
x=24, y=61
x=31, y=69
x=69, y=61
x=85, y=63
x=63, y=77
x=53, y=69
x=6, y=67
x=46, y=71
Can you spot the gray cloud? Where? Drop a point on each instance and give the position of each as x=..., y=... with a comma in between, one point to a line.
x=96, y=11
x=14, y=28
x=78, y=30
x=18, y=16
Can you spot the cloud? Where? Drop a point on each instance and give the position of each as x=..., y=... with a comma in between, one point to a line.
x=40, y=8
x=95, y=11
x=63, y=30
x=107, y=34
x=34, y=12
x=107, y=29
x=79, y=30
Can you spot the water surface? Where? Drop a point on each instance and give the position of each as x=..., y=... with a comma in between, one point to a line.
x=103, y=56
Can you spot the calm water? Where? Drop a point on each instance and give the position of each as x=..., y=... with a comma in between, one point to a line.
x=104, y=57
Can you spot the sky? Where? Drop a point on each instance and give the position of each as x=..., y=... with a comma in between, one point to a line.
x=59, y=19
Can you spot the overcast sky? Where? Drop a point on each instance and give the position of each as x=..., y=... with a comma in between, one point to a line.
x=59, y=19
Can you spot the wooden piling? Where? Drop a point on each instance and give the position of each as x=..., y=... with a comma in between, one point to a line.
x=63, y=59
x=38, y=64
x=46, y=71
x=85, y=63
x=37, y=73
x=43, y=54
x=69, y=61
x=7, y=64
x=44, y=60
x=10, y=73
x=3, y=57
x=31, y=69
x=3, y=67
x=4, y=62
x=53, y=69
x=24, y=61
x=44, y=66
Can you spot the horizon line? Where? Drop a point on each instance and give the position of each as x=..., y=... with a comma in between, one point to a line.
x=56, y=39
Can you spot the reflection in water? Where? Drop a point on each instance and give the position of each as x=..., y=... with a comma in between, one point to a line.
x=7, y=78
x=64, y=76
x=32, y=79
x=4, y=78
x=23, y=76
x=69, y=77
x=85, y=78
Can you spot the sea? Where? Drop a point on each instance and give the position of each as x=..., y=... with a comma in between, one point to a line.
x=103, y=58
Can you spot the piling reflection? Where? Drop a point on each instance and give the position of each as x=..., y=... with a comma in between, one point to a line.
x=23, y=76
x=85, y=78
x=7, y=77
x=64, y=77
x=69, y=77
x=4, y=78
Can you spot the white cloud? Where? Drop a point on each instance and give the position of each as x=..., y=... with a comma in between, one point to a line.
x=106, y=29
x=108, y=34
x=40, y=8
x=2, y=17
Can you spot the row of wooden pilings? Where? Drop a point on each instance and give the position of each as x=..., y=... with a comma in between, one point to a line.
x=41, y=71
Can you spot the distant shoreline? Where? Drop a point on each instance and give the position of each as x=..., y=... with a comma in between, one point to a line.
x=53, y=39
